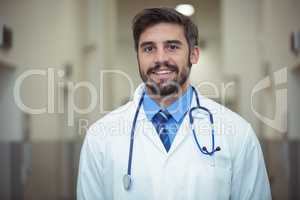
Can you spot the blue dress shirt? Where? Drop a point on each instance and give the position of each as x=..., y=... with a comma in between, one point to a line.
x=177, y=109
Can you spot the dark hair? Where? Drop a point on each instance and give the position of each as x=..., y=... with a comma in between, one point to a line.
x=151, y=16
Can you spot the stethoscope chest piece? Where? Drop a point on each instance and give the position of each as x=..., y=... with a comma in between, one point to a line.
x=126, y=182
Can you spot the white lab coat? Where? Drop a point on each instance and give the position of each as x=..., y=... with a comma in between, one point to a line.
x=237, y=172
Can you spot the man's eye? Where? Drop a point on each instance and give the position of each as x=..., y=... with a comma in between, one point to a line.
x=173, y=46
x=148, y=49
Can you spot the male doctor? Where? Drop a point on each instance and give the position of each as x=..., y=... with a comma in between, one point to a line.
x=154, y=147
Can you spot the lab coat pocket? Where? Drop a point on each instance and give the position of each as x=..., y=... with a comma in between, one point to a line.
x=214, y=182
x=212, y=176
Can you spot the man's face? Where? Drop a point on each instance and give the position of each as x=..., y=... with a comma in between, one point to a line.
x=164, y=58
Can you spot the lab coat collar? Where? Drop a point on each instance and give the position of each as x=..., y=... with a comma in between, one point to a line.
x=139, y=91
x=177, y=109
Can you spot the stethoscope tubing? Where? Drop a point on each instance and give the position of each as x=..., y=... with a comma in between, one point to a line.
x=211, y=119
x=132, y=134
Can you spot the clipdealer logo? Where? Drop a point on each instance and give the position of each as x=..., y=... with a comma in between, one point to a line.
x=54, y=105
x=278, y=122
x=279, y=80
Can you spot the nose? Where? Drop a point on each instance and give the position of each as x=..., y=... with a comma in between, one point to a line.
x=161, y=56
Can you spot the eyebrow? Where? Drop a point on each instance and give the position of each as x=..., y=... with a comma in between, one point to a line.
x=173, y=42
x=146, y=43
x=143, y=44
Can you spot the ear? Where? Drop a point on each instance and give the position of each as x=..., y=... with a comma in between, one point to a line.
x=194, y=55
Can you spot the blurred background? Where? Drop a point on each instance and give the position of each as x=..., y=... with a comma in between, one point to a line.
x=57, y=55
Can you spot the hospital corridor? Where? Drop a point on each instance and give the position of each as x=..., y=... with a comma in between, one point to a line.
x=64, y=64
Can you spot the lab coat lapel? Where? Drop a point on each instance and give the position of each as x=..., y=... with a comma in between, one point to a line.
x=145, y=127
x=181, y=135
x=147, y=130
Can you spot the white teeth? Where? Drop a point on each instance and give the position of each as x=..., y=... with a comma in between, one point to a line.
x=163, y=72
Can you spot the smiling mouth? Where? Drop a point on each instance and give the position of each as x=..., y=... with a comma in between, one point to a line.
x=163, y=74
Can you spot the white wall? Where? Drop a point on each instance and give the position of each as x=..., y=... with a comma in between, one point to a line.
x=11, y=117
x=45, y=34
x=256, y=39
x=240, y=52
x=100, y=38
x=293, y=106
x=280, y=18
x=55, y=33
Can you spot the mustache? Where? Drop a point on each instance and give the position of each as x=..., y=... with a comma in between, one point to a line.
x=166, y=64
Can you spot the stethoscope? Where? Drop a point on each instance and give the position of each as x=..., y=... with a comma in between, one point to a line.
x=127, y=180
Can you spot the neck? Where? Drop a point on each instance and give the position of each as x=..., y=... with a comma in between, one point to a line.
x=165, y=101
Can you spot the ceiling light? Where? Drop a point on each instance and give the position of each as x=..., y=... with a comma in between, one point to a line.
x=185, y=9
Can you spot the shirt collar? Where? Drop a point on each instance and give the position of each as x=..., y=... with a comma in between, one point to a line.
x=177, y=109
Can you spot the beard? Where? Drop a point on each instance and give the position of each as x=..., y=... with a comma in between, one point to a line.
x=162, y=87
